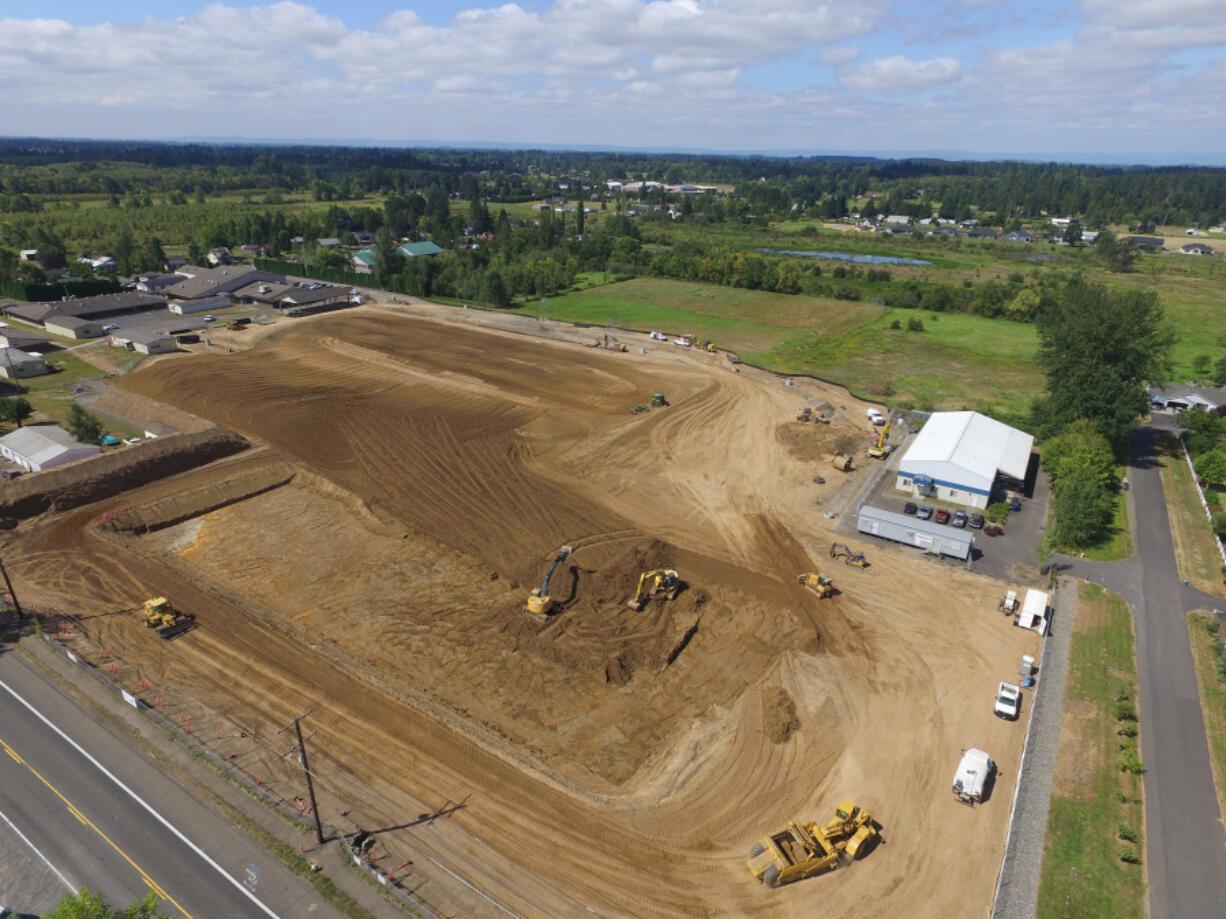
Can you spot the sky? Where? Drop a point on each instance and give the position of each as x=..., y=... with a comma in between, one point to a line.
x=1077, y=80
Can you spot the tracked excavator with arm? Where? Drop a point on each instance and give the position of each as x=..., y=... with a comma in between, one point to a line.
x=540, y=604
x=655, y=583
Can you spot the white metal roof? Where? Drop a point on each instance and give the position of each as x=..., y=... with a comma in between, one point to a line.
x=41, y=443
x=967, y=449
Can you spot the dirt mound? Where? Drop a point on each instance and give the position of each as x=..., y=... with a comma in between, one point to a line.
x=779, y=720
x=108, y=474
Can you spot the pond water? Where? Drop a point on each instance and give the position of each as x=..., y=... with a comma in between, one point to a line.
x=849, y=257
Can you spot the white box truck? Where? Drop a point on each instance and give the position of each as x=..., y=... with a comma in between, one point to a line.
x=975, y=772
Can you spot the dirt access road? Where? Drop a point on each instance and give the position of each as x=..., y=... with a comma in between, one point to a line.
x=609, y=760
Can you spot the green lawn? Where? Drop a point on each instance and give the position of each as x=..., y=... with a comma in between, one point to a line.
x=1203, y=636
x=1096, y=802
x=1195, y=549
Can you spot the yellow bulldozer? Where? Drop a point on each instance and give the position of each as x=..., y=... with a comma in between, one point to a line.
x=820, y=584
x=169, y=622
x=540, y=604
x=805, y=849
x=659, y=582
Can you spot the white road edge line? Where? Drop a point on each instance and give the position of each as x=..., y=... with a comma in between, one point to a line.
x=33, y=848
x=139, y=800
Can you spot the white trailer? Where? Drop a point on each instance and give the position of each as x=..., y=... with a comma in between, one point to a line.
x=1034, y=612
x=975, y=770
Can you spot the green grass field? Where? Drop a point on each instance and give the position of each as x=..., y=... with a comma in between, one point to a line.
x=1096, y=804
x=957, y=361
x=1203, y=635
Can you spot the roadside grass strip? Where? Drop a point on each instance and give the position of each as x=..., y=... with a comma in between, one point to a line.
x=1195, y=549
x=1207, y=652
x=1095, y=847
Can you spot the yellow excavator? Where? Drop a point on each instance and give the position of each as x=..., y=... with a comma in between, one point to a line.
x=820, y=584
x=881, y=450
x=849, y=555
x=655, y=583
x=169, y=622
x=540, y=604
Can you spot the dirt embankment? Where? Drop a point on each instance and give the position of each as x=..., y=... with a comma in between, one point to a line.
x=174, y=509
x=109, y=474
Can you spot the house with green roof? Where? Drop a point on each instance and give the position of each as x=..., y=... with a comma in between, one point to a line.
x=412, y=250
x=363, y=261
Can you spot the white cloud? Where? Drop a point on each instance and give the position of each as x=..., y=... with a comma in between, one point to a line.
x=843, y=54
x=900, y=75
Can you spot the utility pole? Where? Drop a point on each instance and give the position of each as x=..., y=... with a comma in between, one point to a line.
x=9, y=586
x=306, y=770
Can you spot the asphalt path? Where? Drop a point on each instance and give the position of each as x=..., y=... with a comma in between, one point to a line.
x=99, y=815
x=1185, y=842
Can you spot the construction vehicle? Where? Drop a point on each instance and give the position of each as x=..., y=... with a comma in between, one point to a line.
x=805, y=414
x=659, y=582
x=540, y=604
x=850, y=557
x=710, y=346
x=168, y=621
x=881, y=449
x=820, y=584
x=841, y=462
x=805, y=849
x=658, y=400
x=238, y=324
x=639, y=409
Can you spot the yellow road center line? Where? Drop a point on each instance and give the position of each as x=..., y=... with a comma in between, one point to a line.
x=75, y=811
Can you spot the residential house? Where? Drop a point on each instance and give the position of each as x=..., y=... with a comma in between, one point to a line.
x=1180, y=397
x=364, y=237
x=329, y=242
x=363, y=261
x=898, y=220
x=99, y=263
x=220, y=256
x=978, y=232
x=413, y=250
x=1019, y=236
x=1196, y=249
x=175, y=261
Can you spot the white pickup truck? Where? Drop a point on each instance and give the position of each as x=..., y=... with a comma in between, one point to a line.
x=876, y=417
x=975, y=772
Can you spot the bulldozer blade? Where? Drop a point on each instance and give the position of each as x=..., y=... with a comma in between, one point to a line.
x=173, y=631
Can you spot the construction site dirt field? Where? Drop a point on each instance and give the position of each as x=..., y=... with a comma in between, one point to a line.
x=370, y=557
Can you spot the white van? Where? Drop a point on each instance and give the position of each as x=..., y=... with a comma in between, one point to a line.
x=974, y=773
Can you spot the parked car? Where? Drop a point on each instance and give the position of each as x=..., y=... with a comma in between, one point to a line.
x=1008, y=701
x=910, y=507
x=959, y=519
x=924, y=512
x=658, y=336
x=975, y=522
x=942, y=515
x=110, y=327
x=210, y=318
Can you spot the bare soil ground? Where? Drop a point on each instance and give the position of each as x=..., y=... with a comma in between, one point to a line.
x=620, y=761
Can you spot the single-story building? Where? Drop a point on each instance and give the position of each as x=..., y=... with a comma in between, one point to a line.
x=981, y=232
x=923, y=534
x=363, y=261
x=1196, y=249
x=101, y=307
x=1180, y=397
x=1019, y=236
x=42, y=446
x=220, y=256
x=1147, y=242
x=146, y=342
x=964, y=457
x=20, y=338
x=16, y=364
x=413, y=250
x=73, y=326
x=212, y=282
x=184, y=307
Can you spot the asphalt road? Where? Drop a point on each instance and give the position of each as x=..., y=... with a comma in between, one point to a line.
x=90, y=811
x=1185, y=844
